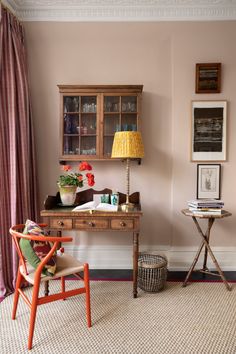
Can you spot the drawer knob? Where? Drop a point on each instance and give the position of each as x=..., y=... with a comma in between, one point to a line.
x=60, y=223
x=122, y=223
x=91, y=223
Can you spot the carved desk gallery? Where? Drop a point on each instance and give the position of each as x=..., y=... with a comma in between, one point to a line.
x=63, y=218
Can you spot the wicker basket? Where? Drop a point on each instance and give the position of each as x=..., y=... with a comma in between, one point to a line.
x=152, y=272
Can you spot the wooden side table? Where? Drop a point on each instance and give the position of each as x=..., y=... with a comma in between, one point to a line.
x=205, y=242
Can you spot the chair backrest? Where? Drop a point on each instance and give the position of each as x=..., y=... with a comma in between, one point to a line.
x=17, y=235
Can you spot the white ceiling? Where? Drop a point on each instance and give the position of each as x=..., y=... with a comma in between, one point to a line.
x=123, y=10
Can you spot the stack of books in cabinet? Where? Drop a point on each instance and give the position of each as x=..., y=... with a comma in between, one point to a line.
x=206, y=206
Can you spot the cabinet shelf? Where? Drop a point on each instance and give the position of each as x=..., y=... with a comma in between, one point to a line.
x=90, y=116
x=81, y=135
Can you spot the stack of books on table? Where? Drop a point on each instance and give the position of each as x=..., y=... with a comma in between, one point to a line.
x=206, y=206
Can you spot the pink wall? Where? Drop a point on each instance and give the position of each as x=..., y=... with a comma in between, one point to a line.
x=162, y=57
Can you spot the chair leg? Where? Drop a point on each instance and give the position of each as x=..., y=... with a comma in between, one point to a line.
x=19, y=280
x=33, y=311
x=87, y=288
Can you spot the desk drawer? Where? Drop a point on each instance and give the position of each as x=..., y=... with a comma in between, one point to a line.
x=122, y=224
x=61, y=223
x=91, y=224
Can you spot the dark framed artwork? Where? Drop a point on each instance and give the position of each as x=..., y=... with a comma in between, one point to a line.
x=208, y=181
x=208, y=136
x=208, y=78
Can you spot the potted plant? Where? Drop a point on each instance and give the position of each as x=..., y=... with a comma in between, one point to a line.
x=69, y=182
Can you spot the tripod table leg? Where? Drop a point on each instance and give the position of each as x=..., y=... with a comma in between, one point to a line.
x=206, y=242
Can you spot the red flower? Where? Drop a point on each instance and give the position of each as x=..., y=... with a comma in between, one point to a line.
x=90, y=179
x=83, y=166
x=91, y=183
x=66, y=168
x=77, y=179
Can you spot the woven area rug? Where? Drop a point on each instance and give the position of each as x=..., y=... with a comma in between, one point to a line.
x=200, y=318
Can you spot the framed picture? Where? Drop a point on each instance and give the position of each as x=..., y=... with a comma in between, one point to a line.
x=208, y=78
x=208, y=136
x=208, y=181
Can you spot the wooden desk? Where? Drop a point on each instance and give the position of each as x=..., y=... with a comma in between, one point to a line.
x=59, y=219
x=205, y=242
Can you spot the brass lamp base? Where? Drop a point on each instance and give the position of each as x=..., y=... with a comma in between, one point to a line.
x=126, y=207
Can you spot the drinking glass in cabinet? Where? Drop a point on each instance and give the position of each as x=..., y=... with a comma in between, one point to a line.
x=71, y=104
x=129, y=104
x=88, y=124
x=89, y=104
x=129, y=121
x=88, y=145
x=111, y=103
x=76, y=104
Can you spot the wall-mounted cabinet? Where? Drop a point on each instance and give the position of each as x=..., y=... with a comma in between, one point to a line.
x=90, y=116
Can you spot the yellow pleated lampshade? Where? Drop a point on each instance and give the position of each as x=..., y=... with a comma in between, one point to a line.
x=127, y=144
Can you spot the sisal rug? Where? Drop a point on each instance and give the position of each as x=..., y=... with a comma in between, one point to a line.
x=200, y=318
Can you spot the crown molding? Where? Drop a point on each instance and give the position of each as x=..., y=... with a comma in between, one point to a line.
x=122, y=10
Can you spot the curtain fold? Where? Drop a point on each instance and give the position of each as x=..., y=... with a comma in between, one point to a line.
x=18, y=182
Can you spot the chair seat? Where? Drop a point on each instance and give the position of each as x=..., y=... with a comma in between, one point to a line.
x=66, y=265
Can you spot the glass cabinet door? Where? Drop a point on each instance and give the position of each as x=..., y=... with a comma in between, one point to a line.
x=120, y=114
x=90, y=115
x=80, y=125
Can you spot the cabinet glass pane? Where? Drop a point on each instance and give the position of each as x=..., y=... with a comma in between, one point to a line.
x=88, y=124
x=89, y=104
x=111, y=104
x=71, y=145
x=129, y=122
x=107, y=146
x=75, y=145
x=111, y=124
x=71, y=123
x=129, y=104
x=88, y=145
x=71, y=104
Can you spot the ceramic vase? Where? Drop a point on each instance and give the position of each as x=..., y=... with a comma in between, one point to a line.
x=68, y=195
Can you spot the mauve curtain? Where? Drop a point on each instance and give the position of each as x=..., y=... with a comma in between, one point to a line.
x=18, y=196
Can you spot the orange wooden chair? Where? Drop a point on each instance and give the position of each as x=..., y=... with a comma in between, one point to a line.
x=66, y=265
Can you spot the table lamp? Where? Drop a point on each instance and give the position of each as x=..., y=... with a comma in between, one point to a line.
x=127, y=145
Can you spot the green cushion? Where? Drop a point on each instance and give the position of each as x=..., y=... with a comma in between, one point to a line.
x=34, y=251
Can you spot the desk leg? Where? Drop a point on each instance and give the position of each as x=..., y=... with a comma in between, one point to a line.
x=135, y=263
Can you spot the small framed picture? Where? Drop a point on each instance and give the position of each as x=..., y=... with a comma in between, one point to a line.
x=208, y=181
x=208, y=136
x=208, y=78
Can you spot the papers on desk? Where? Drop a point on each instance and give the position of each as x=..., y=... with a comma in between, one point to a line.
x=94, y=205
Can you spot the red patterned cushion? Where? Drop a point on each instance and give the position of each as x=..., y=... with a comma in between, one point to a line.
x=34, y=251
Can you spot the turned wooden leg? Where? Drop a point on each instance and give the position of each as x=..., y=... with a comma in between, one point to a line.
x=135, y=263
